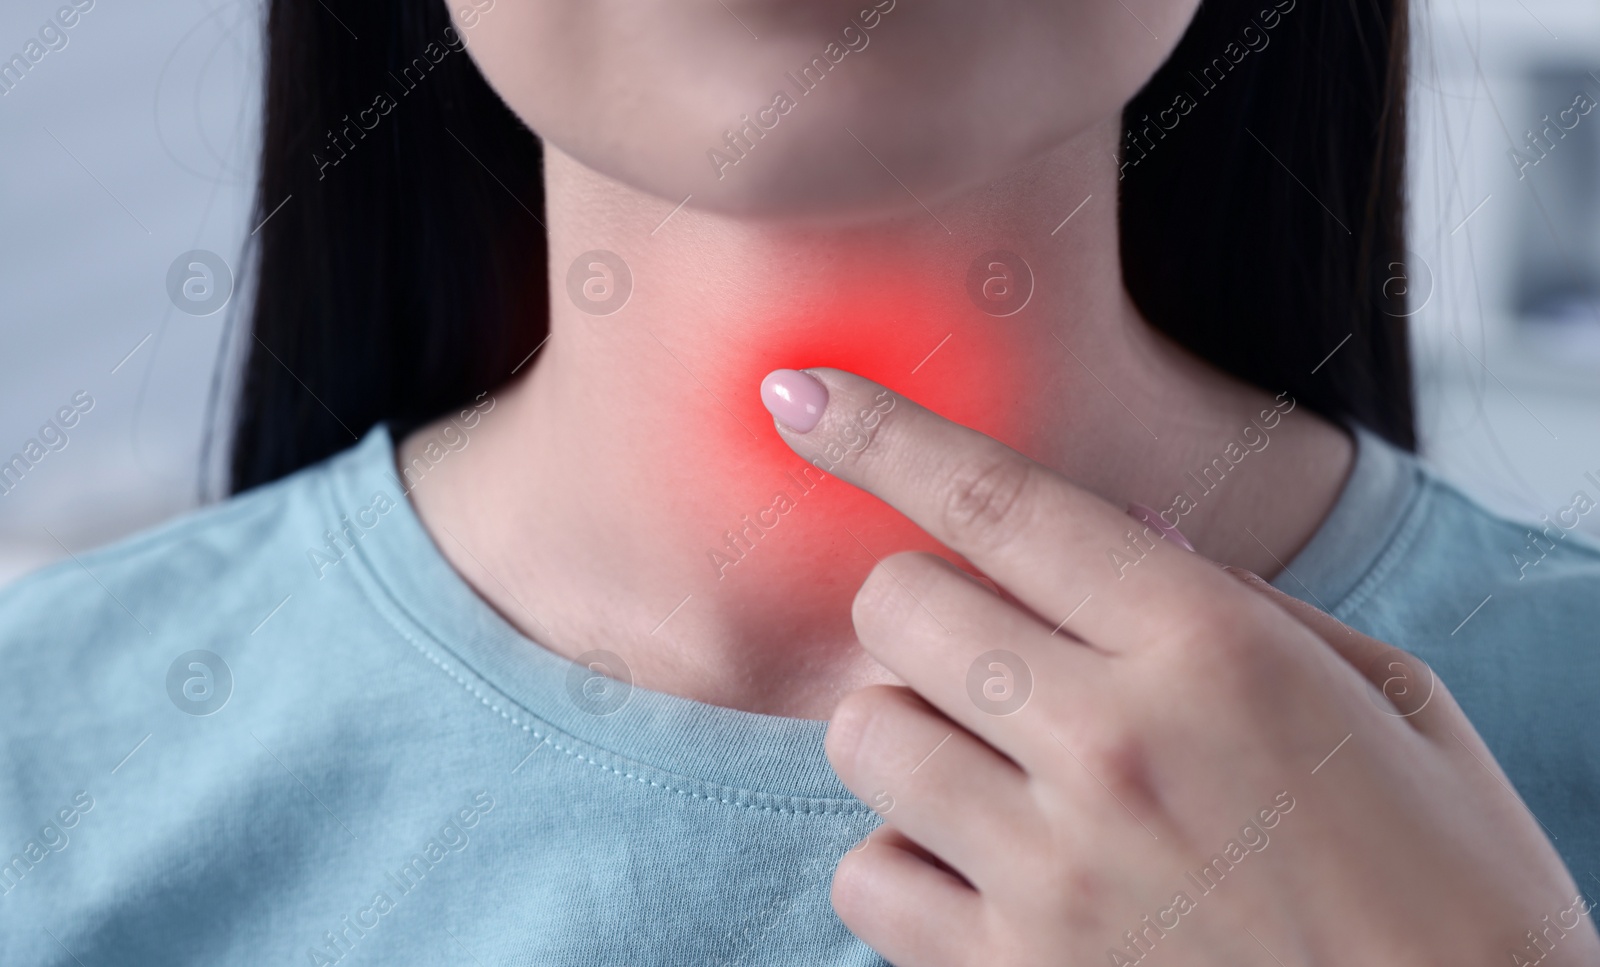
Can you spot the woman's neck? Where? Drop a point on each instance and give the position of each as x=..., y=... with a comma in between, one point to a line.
x=628, y=492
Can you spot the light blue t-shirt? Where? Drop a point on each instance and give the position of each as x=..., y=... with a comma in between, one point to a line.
x=222, y=742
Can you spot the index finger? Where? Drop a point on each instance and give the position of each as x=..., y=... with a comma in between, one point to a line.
x=1046, y=540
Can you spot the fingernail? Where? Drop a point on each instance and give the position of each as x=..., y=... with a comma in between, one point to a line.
x=1245, y=575
x=1142, y=513
x=980, y=580
x=794, y=399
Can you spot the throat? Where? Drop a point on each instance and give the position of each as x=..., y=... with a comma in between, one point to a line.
x=629, y=492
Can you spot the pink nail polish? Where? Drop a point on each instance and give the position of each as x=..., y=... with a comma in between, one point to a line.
x=1142, y=513
x=794, y=398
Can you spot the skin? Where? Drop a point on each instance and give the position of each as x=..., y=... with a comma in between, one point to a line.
x=1179, y=710
x=589, y=502
x=633, y=442
x=982, y=86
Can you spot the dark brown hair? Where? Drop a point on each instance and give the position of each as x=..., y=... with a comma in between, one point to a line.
x=1265, y=230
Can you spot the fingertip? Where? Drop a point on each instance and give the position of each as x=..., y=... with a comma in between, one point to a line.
x=795, y=399
x=975, y=576
x=1246, y=575
x=981, y=581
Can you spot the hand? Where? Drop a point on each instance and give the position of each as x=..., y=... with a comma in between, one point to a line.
x=1188, y=765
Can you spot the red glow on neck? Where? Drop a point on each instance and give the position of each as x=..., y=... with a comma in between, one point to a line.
x=933, y=348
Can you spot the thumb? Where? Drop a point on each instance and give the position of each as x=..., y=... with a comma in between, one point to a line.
x=1403, y=679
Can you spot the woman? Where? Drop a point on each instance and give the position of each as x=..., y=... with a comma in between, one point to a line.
x=534, y=667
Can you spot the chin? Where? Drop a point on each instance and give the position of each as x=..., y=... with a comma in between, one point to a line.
x=828, y=168
x=835, y=114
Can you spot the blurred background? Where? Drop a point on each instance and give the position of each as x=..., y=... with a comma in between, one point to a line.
x=127, y=144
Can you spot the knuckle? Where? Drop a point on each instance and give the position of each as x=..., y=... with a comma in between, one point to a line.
x=1213, y=634
x=1070, y=881
x=1078, y=888
x=987, y=504
x=1240, y=667
x=1115, y=758
x=1224, y=654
